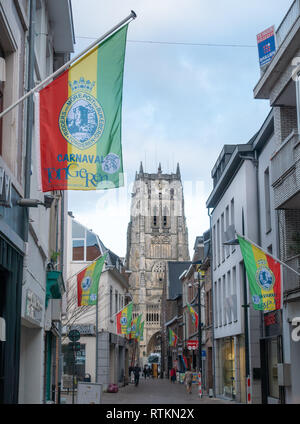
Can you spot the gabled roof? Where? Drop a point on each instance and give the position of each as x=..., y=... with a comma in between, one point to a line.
x=175, y=270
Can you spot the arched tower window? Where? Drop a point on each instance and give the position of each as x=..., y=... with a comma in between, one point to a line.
x=159, y=271
x=166, y=217
x=155, y=223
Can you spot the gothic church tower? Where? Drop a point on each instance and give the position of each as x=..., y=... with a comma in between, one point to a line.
x=157, y=233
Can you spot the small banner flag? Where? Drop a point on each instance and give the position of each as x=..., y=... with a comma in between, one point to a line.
x=264, y=276
x=124, y=320
x=141, y=332
x=172, y=338
x=78, y=119
x=135, y=326
x=88, y=282
x=193, y=314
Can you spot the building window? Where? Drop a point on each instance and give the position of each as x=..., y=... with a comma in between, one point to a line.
x=267, y=200
x=78, y=249
x=222, y=238
x=214, y=248
x=224, y=300
x=85, y=244
x=218, y=241
x=216, y=307
x=220, y=302
x=110, y=301
x=228, y=299
x=232, y=217
x=116, y=301
x=227, y=249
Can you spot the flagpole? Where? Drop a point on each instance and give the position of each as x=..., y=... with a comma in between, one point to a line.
x=97, y=339
x=267, y=253
x=128, y=19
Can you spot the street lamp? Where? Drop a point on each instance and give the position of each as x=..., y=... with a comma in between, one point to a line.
x=233, y=241
x=199, y=273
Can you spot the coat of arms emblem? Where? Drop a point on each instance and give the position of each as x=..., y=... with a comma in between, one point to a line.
x=81, y=119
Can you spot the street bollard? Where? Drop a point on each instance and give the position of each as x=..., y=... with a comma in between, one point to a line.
x=200, y=385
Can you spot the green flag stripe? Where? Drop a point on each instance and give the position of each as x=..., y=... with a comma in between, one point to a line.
x=95, y=278
x=111, y=56
x=251, y=269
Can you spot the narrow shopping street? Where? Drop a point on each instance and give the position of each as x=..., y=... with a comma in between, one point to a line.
x=154, y=392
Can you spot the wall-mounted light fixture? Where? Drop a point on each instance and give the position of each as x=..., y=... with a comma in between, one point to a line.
x=34, y=203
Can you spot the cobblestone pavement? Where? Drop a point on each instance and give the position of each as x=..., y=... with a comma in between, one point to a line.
x=154, y=391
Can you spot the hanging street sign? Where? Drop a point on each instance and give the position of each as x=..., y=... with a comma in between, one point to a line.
x=74, y=335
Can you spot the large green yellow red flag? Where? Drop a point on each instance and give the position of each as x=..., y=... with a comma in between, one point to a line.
x=88, y=282
x=264, y=276
x=78, y=116
x=124, y=320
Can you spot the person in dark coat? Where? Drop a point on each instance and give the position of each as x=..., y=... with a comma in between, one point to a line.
x=136, y=372
x=145, y=371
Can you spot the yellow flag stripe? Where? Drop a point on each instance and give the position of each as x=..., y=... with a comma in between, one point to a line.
x=87, y=69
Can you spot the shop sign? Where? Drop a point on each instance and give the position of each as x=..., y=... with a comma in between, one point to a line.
x=192, y=344
x=34, y=307
x=272, y=321
x=84, y=329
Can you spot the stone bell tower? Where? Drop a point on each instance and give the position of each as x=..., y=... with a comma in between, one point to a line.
x=156, y=233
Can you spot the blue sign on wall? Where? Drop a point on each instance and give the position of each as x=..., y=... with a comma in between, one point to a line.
x=266, y=46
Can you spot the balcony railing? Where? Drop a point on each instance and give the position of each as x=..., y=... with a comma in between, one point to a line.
x=284, y=159
x=291, y=281
x=287, y=22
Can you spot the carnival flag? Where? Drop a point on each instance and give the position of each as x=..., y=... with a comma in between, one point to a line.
x=264, y=276
x=78, y=121
x=135, y=327
x=141, y=332
x=194, y=315
x=88, y=282
x=124, y=320
x=172, y=338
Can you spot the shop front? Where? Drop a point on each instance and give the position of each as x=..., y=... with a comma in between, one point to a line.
x=11, y=264
x=227, y=368
x=271, y=354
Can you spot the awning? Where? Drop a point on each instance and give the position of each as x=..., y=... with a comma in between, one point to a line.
x=55, y=286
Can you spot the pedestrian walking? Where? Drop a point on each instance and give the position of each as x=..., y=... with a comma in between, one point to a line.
x=131, y=374
x=188, y=380
x=173, y=375
x=136, y=371
x=145, y=372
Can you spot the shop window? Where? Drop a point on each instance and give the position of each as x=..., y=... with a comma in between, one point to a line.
x=79, y=363
x=228, y=366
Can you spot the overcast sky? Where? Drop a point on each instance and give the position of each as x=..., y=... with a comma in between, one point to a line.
x=181, y=103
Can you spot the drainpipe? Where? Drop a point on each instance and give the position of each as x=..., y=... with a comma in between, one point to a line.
x=213, y=312
x=30, y=110
x=61, y=262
